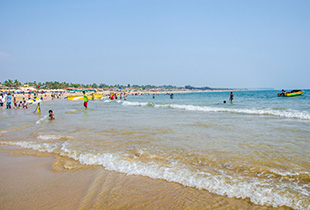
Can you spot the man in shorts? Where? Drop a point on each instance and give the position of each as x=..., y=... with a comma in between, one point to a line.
x=231, y=97
x=8, y=101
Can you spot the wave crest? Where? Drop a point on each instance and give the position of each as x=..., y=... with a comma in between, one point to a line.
x=287, y=113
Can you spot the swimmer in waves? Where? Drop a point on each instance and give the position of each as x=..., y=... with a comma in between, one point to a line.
x=51, y=115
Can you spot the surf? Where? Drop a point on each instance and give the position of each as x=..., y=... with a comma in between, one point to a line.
x=285, y=113
x=257, y=190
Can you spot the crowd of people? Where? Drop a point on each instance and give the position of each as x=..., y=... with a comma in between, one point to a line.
x=9, y=101
x=6, y=100
x=12, y=100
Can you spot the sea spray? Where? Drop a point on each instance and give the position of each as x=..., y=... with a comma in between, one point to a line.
x=41, y=120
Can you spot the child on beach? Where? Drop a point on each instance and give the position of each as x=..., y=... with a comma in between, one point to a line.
x=25, y=104
x=15, y=102
x=51, y=115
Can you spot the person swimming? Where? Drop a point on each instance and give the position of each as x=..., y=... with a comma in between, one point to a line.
x=51, y=115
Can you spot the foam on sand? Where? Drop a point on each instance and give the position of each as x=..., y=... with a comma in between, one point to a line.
x=257, y=190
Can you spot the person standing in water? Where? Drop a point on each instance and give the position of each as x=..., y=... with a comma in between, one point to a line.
x=231, y=98
x=25, y=104
x=1, y=100
x=85, y=99
x=8, y=101
x=15, y=101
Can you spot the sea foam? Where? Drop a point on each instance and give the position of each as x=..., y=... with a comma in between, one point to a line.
x=289, y=113
x=53, y=137
x=128, y=103
x=258, y=191
x=41, y=120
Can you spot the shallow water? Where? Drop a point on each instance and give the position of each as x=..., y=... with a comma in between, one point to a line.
x=256, y=148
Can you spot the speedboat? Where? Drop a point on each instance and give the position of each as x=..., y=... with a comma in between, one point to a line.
x=291, y=93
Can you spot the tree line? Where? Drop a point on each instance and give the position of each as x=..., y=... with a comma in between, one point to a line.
x=63, y=85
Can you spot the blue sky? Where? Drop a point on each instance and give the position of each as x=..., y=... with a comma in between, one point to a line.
x=220, y=43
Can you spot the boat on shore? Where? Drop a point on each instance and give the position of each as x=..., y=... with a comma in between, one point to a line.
x=34, y=101
x=291, y=93
x=81, y=97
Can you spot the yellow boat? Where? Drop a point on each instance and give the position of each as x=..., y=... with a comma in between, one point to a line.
x=33, y=101
x=81, y=97
x=291, y=93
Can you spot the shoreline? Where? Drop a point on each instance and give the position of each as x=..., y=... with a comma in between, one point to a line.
x=30, y=181
x=64, y=95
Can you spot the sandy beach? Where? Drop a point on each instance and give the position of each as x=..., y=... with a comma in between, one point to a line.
x=31, y=181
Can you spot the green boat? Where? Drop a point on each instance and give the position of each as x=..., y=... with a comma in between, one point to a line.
x=291, y=93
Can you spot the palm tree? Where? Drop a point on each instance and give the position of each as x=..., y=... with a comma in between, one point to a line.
x=8, y=83
x=17, y=84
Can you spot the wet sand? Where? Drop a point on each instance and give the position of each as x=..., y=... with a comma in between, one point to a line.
x=32, y=182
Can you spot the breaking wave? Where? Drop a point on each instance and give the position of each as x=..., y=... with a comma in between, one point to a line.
x=289, y=113
x=259, y=191
x=53, y=137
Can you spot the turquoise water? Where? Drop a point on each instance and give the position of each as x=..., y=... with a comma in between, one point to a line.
x=256, y=148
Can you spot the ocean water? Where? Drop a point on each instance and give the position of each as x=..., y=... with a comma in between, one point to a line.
x=256, y=148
